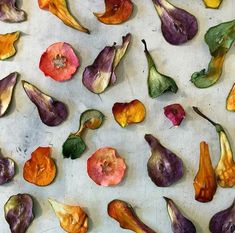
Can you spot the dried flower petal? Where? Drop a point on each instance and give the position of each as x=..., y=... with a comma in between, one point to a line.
x=74, y=146
x=9, y=12
x=59, y=61
x=205, y=181
x=123, y=212
x=213, y=3
x=73, y=219
x=19, y=212
x=179, y=223
x=175, y=113
x=230, y=101
x=98, y=76
x=60, y=9
x=105, y=167
x=51, y=111
x=164, y=167
x=40, y=169
x=129, y=113
x=7, y=169
x=219, y=40
x=178, y=26
x=223, y=221
x=157, y=83
x=7, y=41
x=6, y=92
x=116, y=12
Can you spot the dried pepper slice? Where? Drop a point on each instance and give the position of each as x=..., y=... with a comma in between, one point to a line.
x=40, y=169
x=74, y=146
x=19, y=212
x=7, y=41
x=51, y=111
x=215, y=4
x=105, y=167
x=59, y=61
x=225, y=169
x=7, y=86
x=175, y=113
x=60, y=9
x=9, y=12
x=116, y=12
x=129, y=113
x=123, y=212
x=205, y=181
x=230, y=101
x=73, y=219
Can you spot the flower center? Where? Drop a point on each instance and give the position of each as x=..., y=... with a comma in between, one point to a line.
x=106, y=167
x=59, y=61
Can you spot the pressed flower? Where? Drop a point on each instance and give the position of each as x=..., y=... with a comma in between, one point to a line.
x=9, y=12
x=123, y=213
x=7, y=41
x=129, y=113
x=212, y=3
x=175, y=113
x=40, y=169
x=60, y=9
x=178, y=26
x=205, y=181
x=219, y=40
x=105, y=167
x=7, y=169
x=164, y=167
x=116, y=12
x=59, y=61
x=74, y=146
x=230, y=101
x=225, y=169
x=19, y=212
x=73, y=219
x=157, y=83
x=51, y=111
x=7, y=85
x=101, y=74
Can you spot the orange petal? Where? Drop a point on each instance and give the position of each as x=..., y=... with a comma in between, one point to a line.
x=7, y=41
x=230, y=102
x=117, y=11
x=212, y=3
x=44, y=4
x=129, y=113
x=40, y=169
x=205, y=181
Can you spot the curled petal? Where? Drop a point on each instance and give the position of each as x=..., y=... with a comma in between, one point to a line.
x=59, y=61
x=175, y=113
x=116, y=12
x=7, y=86
x=7, y=41
x=51, y=111
x=40, y=169
x=9, y=12
x=129, y=113
x=105, y=167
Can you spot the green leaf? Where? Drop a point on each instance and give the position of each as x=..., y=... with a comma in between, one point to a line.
x=73, y=147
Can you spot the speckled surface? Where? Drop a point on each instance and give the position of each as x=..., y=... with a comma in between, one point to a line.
x=22, y=131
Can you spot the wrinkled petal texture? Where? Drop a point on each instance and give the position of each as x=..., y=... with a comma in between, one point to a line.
x=7, y=169
x=230, y=102
x=129, y=113
x=205, y=184
x=19, y=212
x=212, y=3
x=7, y=48
x=175, y=113
x=51, y=111
x=40, y=169
x=123, y=212
x=105, y=167
x=73, y=219
x=178, y=26
x=59, y=62
x=10, y=13
x=117, y=11
x=6, y=91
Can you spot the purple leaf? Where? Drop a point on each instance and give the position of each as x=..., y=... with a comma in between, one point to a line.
x=175, y=113
x=51, y=111
x=164, y=167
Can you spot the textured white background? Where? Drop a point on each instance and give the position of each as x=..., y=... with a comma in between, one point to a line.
x=21, y=128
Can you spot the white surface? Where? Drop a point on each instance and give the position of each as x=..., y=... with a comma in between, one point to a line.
x=22, y=128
